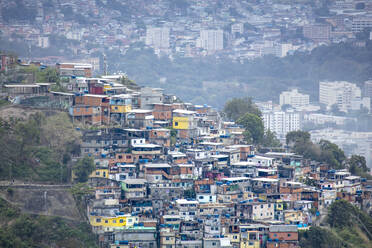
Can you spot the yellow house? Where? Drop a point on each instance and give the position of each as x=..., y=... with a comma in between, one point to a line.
x=106, y=87
x=121, y=103
x=180, y=122
x=234, y=237
x=250, y=239
x=293, y=216
x=279, y=206
x=117, y=221
x=112, y=222
x=119, y=246
x=104, y=173
x=121, y=108
x=262, y=197
x=248, y=195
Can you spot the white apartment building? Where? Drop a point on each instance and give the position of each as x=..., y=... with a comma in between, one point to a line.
x=360, y=23
x=157, y=37
x=339, y=92
x=211, y=40
x=320, y=119
x=294, y=98
x=237, y=28
x=262, y=211
x=282, y=122
x=368, y=88
x=43, y=41
x=282, y=49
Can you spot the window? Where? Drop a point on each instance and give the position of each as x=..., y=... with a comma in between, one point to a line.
x=97, y=173
x=176, y=123
x=214, y=243
x=289, y=235
x=121, y=221
x=113, y=221
x=106, y=221
x=98, y=220
x=166, y=238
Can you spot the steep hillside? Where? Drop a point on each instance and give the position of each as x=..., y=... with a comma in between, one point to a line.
x=25, y=230
x=346, y=226
x=37, y=147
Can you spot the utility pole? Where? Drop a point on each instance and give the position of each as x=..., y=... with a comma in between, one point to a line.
x=104, y=64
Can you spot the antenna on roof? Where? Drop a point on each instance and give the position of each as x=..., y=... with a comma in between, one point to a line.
x=29, y=53
x=104, y=64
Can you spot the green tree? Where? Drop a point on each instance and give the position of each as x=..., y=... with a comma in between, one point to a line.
x=80, y=190
x=270, y=139
x=254, y=125
x=189, y=193
x=237, y=107
x=295, y=136
x=173, y=136
x=83, y=168
x=247, y=136
x=357, y=165
x=332, y=154
x=301, y=144
x=321, y=238
x=340, y=214
x=49, y=75
x=127, y=82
